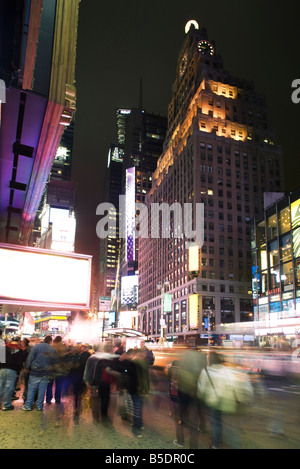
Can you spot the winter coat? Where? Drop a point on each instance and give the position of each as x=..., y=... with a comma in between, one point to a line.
x=94, y=373
x=41, y=359
x=143, y=383
x=224, y=388
x=14, y=357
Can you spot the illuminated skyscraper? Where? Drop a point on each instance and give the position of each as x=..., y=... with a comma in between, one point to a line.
x=219, y=152
x=110, y=246
x=131, y=164
x=55, y=221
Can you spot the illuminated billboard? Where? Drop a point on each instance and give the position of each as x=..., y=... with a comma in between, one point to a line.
x=194, y=258
x=194, y=311
x=167, y=303
x=130, y=214
x=129, y=290
x=295, y=215
x=44, y=278
x=63, y=229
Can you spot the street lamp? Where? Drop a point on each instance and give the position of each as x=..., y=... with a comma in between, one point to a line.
x=162, y=319
x=102, y=315
x=142, y=314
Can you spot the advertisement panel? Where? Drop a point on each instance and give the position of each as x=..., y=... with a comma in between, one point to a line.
x=129, y=289
x=63, y=229
x=130, y=214
x=194, y=311
x=44, y=278
x=193, y=258
x=167, y=303
x=295, y=216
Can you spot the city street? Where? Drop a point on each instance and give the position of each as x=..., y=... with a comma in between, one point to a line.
x=277, y=407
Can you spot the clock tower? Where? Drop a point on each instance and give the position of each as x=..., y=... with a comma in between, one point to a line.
x=197, y=51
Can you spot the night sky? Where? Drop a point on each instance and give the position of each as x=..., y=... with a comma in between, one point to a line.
x=125, y=40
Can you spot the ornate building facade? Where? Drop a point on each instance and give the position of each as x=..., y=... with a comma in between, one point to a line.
x=219, y=152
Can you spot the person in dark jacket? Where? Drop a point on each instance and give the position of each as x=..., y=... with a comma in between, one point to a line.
x=25, y=344
x=9, y=371
x=95, y=375
x=134, y=366
x=40, y=362
x=62, y=368
x=80, y=355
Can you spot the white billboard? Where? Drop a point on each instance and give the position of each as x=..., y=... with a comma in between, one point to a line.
x=44, y=278
x=63, y=229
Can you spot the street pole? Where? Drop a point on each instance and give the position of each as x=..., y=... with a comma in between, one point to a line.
x=162, y=318
x=5, y=325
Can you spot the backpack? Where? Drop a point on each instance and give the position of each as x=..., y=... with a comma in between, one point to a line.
x=101, y=375
x=97, y=374
x=150, y=357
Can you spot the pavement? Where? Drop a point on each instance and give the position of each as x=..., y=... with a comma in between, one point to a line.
x=272, y=422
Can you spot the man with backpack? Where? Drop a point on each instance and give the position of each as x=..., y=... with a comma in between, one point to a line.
x=97, y=378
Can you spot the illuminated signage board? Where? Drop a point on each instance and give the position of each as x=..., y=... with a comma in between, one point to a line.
x=44, y=278
x=63, y=229
x=167, y=305
x=295, y=216
x=104, y=303
x=130, y=214
x=129, y=289
x=194, y=258
x=193, y=311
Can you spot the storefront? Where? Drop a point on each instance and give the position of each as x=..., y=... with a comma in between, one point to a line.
x=276, y=272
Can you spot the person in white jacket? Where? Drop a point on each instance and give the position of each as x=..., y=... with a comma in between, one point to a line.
x=225, y=391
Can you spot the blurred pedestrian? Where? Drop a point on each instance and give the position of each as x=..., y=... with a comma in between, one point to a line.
x=173, y=389
x=40, y=362
x=25, y=344
x=149, y=354
x=141, y=363
x=9, y=372
x=225, y=392
x=127, y=380
x=119, y=347
x=175, y=408
x=134, y=367
x=188, y=410
x=80, y=355
x=60, y=372
x=2, y=347
x=99, y=381
x=17, y=340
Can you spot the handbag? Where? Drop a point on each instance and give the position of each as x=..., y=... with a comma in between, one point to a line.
x=218, y=398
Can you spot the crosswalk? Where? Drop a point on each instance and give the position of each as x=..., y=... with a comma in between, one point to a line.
x=290, y=389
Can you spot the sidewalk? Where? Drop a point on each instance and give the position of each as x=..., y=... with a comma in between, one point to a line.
x=54, y=427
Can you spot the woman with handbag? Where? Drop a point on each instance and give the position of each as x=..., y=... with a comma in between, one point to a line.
x=224, y=390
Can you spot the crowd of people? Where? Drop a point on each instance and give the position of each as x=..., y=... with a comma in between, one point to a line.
x=202, y=389
x=51, y=369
